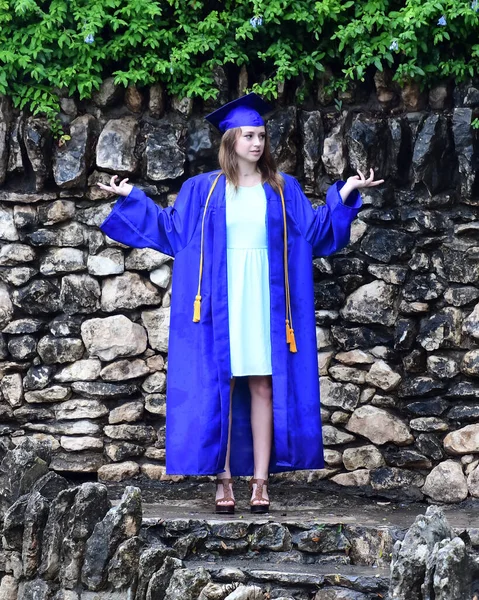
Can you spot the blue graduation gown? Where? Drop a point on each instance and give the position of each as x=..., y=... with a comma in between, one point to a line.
x=199, y=373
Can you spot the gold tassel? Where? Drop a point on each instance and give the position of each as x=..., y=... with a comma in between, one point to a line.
x=292, y=347
x=288, y=335
x=197, y=309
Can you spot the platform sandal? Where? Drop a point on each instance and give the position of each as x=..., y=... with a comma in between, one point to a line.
x=225, y=509
x=258, y=496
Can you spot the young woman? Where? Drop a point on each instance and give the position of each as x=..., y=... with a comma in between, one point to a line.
x=242, y=390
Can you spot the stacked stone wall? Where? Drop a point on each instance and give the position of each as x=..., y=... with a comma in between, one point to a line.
x=84, y=320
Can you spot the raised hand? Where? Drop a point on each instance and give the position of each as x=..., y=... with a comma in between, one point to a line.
x=357, y=182
x=122, y=189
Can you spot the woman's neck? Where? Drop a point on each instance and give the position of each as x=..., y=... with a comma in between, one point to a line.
x=248, y=174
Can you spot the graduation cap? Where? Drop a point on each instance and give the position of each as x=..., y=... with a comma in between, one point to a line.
x=242, y=112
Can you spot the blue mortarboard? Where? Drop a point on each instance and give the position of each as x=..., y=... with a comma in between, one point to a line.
x=242, y=112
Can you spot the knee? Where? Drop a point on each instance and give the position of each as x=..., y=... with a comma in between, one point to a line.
x=262, y=389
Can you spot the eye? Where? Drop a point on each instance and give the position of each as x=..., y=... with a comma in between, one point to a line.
x=248, y=135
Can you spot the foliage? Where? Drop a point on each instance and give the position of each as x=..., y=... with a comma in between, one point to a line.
x=50, y=46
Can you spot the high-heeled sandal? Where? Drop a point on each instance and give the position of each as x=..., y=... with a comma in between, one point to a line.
x=258, y=496
x=225, y=509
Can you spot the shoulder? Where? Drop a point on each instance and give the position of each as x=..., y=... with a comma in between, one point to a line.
x=291, y=184
x=203, y=179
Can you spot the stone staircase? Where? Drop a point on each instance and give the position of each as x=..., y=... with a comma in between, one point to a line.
x=313, y=551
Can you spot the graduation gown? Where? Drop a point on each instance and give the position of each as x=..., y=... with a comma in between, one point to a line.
x=199, y=372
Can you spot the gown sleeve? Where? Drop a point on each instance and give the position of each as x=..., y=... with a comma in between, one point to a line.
x=327, y=228
x=138, y=222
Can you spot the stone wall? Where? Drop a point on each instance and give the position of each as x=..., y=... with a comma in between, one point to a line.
x=85, y=320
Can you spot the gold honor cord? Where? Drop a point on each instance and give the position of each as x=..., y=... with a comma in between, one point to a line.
x=197, y=304
x=290, y=339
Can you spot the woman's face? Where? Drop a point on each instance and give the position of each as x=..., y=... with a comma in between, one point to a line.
x=250, y=144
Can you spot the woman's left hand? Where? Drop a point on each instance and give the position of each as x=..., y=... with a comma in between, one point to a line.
x=357, y=182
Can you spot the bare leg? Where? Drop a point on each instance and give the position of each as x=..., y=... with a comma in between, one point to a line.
x=261, y=425
x=227, y=472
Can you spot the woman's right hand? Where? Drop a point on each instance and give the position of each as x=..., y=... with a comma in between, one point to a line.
x=122, y=189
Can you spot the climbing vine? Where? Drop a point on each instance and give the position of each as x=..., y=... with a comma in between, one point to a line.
x=51, y=47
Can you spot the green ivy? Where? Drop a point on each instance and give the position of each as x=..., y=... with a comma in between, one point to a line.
x=48, y=47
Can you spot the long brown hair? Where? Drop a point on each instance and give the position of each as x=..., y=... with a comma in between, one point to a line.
x=229, y=162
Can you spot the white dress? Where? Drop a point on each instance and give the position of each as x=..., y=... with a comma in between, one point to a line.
x=248, y=281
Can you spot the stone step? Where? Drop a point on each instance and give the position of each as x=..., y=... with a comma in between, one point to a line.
x=290, y=580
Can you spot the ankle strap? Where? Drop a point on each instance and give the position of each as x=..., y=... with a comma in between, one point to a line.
x=258, y=482
x=222, y=481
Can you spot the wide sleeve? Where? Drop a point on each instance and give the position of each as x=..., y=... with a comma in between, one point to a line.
x=328, y=227
x=138, y=222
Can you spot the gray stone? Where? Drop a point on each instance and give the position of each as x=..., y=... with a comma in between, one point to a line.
x=37, y=139
x=8, y=231
x=36, y=513
x=113, y=337
x=9, y=588
x=151, y=561
x=452, y=572
x=107, y=262
x=339, y=395
x=68, y=235
x=13, y=524
x=123, y=567
x=164, y=158
x=12, y=389
x=22, y=347
x=379, y=426
x=75, y=428
x=334, y=593
x=272, y=536
x=6, y=306
x=55, y=530
x=78, y=444
x=461, y=296
x=161, y=277
x=463, y=441
x=120, y=523
x=374, y=302
x=115, y=149
x=108, y=94
x=56, y=393
x=145, y=259
x=80, y=408
x=334, y=152
x=95, y=389
x=446, y=483
x=129, y=291
x=347, y=374
x=428, y=424
x=126, y=413
x=358, y=478
x=80, y=294
x=382, y=376
x=392, y=478
x=367, y=457
x=39, y=377
x=282, y=134
x=131, y=433
x=37, y=589
x=408, y=567
x=77, y=462
x=444, y=367
x=470, y=363
x=65, y=326
x=186, y=584
x=62, y=260
x=157, y=323
x=120, y=451
x=59, y=350
x=125, y=369
x=89, y=507
x=56, y=212
x=17, y=276
x=155, y=383
x=81, y=370
x=334, y=437
x=71, y=160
